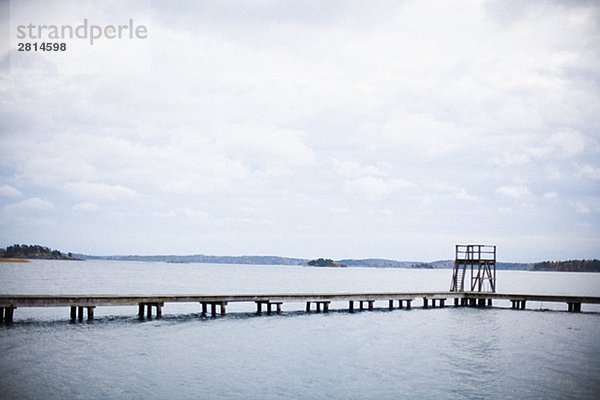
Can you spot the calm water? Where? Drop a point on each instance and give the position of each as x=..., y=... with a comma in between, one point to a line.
x=451, y=353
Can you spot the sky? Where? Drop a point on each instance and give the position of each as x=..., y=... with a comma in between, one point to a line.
x=338, y=129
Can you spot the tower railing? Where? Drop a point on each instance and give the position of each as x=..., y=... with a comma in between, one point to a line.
x=479, y=262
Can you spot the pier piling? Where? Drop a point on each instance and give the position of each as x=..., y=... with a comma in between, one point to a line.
x=90, y=313
x=318, y=305
x=6, y=314
x=269, y=304
x=213, y=308
x=146, y=308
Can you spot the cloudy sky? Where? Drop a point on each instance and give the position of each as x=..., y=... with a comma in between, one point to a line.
x=341, y=129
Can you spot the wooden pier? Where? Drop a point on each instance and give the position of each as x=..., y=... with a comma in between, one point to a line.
x=318, y=302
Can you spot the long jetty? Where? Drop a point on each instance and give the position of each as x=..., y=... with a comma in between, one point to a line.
x=318, y=302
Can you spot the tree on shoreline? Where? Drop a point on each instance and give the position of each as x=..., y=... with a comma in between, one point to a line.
x=569, y=266
x=33, y=251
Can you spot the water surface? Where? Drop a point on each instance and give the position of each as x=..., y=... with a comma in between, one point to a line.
x=451, y=353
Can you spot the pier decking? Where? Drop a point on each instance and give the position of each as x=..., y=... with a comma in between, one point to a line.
x=147, y=304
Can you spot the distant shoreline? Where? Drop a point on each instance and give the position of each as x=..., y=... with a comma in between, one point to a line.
x=24, y=253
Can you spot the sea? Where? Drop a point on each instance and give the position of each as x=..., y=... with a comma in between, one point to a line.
x=542, y=352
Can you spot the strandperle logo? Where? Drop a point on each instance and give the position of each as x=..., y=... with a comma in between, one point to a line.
x=86, y=31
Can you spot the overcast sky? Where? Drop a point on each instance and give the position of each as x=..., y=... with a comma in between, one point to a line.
x=340, y=129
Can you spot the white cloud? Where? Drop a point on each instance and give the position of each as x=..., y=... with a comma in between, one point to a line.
x=31, y=204
x=425, y=133
x=86, y=207
x=9, y=191
x=463, y=195
x=518, y=150
x=99, y=191
x=278, y=151
x=375, y=182
x=354, y=169
x=377, y=188
x=581, y=208
x=188, y=213
x=346, y=168
x=513, y=191
x=589, y=171
x=569, y=143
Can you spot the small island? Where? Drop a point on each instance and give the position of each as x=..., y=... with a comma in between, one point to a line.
x=325, y=262
x=23, y=252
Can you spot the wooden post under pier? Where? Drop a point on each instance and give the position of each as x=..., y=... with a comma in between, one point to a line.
x=370, y=304
x=76, y=313
x=318, y=305
x=277, y=304
x=213, y=308
x=518, y=304
x=90, y=313
x=148, y=310
x=435, y=302
x=400, y=303
x=269, y=304
x=6, y=314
